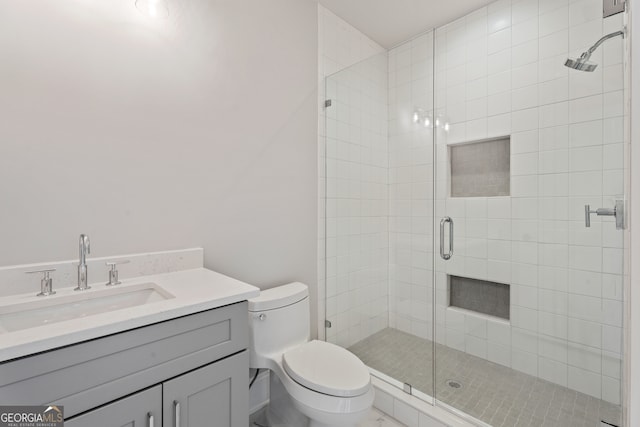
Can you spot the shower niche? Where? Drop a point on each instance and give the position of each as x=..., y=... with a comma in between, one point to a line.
x=480, y=296
x=481, y=168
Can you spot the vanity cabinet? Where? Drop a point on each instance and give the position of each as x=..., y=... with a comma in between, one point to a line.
x=214, y=395
x=197, y=363
x=141, y=409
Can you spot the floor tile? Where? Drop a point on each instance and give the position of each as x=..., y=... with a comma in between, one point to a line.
x=495, y=394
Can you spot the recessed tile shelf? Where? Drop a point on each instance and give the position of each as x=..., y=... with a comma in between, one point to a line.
x=484, y=297
x=481, y=168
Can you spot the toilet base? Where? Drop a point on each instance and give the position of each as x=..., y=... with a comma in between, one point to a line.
x=281, y=411
x=284, y=411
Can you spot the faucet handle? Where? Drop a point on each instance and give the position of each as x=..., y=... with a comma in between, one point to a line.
x=113, y=272
x=112, y=263
x=46, y=283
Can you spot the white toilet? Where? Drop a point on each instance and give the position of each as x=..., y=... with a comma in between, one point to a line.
x=313, y=383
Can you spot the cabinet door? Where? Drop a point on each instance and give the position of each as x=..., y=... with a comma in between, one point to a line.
x=216, y=395
x=143, y=409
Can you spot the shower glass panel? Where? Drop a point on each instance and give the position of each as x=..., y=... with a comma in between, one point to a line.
x=500, y=74
x=357, y=202
x=379, y=211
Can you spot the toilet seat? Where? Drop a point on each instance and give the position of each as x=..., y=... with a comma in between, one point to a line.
x=327, y=368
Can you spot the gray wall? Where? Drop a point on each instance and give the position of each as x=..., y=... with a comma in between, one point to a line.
x=196, y=130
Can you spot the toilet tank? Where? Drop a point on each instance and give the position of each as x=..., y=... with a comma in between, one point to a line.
x=278, y=320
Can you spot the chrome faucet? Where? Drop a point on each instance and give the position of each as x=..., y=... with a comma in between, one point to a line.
x=85, y=248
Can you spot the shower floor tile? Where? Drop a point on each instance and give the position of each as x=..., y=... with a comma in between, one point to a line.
x=497, y=395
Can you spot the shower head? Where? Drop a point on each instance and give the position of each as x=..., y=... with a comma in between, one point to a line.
x=583, y=63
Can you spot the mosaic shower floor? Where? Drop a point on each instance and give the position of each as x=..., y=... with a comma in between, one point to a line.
x=497, y=395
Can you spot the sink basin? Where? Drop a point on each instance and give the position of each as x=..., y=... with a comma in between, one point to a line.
x=55, y=309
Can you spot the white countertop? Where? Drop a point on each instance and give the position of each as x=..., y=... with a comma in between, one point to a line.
x=193, y=290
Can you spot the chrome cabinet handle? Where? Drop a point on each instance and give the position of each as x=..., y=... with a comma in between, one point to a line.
x=176, y=411
x=150, y=419
x=443, y=221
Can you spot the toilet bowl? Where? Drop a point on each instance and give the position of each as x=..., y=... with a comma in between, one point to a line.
x=313, y=383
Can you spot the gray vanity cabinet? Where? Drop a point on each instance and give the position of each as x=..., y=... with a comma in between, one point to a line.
x=138, y=410
x=198, y=362
x=213, y=396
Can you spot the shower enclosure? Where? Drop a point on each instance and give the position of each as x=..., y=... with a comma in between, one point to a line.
x=474, y=195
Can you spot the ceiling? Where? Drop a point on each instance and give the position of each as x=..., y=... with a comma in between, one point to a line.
x=390, y=22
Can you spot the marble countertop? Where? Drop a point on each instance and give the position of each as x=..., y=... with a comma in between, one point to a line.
x=193, y=290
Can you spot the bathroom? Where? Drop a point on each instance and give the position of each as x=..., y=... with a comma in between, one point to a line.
x=159, y=126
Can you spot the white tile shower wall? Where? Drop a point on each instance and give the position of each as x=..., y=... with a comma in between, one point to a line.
x=411, y=186
x=353, y=176
x=499, y=71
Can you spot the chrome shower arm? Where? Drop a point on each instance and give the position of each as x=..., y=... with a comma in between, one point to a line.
x=602, y=40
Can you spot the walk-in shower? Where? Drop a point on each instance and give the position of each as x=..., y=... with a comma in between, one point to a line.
x=582, y=63
x=479, y=125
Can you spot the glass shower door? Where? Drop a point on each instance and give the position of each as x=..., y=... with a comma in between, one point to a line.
x=528, y=307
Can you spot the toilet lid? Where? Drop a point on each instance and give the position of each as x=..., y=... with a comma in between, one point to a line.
x=327, y=368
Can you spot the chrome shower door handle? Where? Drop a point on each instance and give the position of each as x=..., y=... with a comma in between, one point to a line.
x=443, y=221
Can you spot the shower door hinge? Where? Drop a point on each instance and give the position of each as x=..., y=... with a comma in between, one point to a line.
x=612, y=7
x=327, y=103
x=327, y=324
